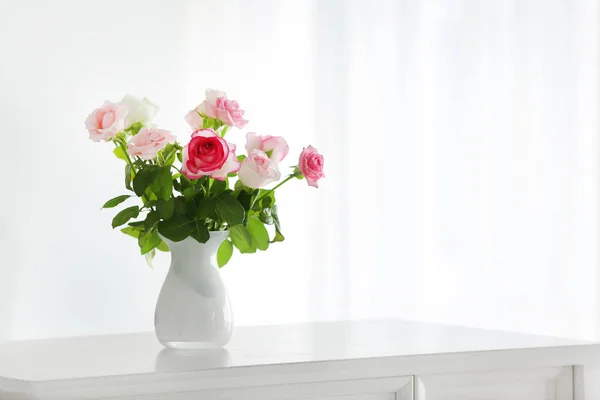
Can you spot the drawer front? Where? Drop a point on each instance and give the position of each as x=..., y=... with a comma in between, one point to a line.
x=400, y=388
x=538, y=384
x=383, y=396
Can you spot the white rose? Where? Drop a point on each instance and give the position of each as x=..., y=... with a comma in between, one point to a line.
x=258, y=170
x=212, y=95
x=195, y=118
x=142, y=111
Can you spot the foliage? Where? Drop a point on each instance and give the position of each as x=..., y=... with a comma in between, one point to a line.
x=174, y=206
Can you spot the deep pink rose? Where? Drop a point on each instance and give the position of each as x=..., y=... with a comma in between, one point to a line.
x=311, y=165
x=148, y=142
x=208, y=154
x=218, y=106
x=276, y=145
x=258, y=170
x=104, y=122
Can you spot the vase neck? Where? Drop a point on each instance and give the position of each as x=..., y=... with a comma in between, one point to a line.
x=190, y=249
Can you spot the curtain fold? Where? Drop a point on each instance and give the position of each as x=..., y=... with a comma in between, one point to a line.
x=470, y=162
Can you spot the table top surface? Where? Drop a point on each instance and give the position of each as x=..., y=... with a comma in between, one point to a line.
x=140, y=353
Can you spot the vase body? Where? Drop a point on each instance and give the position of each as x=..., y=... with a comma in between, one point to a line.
x=193, y=309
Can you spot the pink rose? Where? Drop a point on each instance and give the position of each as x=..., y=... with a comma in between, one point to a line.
x=274, y=144
x=104, y=122
x=148, y=142
x=311, y=165
x=258, y=170
x=208, y=154
x=218, y=106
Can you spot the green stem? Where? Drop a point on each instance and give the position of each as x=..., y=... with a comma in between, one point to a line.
x=209, y=182
x=124, y=149
x=271, y=190
x=130, y=163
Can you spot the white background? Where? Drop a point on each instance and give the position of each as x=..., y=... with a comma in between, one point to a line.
x=460, y=140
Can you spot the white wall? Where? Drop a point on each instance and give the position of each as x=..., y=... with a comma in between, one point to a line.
x=460, y=142
x=64, y=271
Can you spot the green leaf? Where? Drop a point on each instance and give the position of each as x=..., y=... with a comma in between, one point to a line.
x=144, y=178
x=297, y=173
x=135, y=128
x=206, y=207
x=241, y=238
x=162, y=246
x=189, y=193
x=207, y=122
x=275, y=215
x=118, y=151
x=245, y=199
x=165, y=208
x=184, y=183
x=266, y=217
x=176, y=228
x=260, y=236
x=230, y=210
x=266, y=200
x=269, y=200
x=179, y=156
x=125, y=215
x=180, y=206
x=251, y=250
x=177, y=186
x=269, y=153
x=223, y=131
x=241, y=158
x=149, y=256
x=278, y=237
x=167, y=155
x=115, y=201
x=162, y=184
x=218, y=187
x=132, y=231
x=200, y=233
x=137, y=224
x=224, y=253
x=239, y=186
x=128, y=177
x=151, y=220
x=149, y=200
x=148, y=241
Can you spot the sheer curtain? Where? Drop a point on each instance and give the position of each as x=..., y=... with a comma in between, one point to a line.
x=465, y=183
x=460, y=139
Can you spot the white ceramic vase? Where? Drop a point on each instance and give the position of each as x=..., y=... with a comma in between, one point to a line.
x=193, y=309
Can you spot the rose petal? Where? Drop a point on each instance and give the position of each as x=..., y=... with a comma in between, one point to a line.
x=258, y=170
x=232, y=165
x=194, y=120
x=253, y=142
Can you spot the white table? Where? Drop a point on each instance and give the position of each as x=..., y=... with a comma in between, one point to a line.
x=369, y=360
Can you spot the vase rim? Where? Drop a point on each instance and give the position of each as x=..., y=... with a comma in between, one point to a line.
x=213, y=235
x=217, y=234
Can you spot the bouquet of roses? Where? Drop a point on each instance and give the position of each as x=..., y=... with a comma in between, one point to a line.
x=203, y=185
